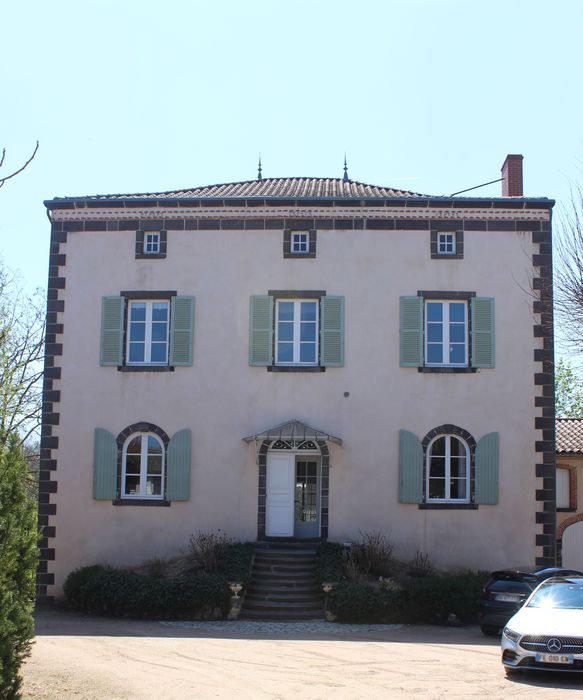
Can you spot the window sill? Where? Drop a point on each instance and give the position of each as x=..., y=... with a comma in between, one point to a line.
x=448, y=506
x=159, y=503
x=297, y=368
x=447, y=370
x=150, y=256
x=289, y=256
x=145, y=368
x=566, y=510
x=447, y=256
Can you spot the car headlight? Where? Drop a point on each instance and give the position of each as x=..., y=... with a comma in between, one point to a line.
x=511, y=634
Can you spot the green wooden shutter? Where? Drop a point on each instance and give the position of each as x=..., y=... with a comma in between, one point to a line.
x=178, y=467
x=332, y=331
x=181, y=331
x=112, y=312
x=483, y=354
x=487, y=459
x=261, y=330
x=410, y=468
x=411, y=331
x=104, y=465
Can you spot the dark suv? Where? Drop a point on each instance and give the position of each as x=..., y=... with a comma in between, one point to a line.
x=507, y=590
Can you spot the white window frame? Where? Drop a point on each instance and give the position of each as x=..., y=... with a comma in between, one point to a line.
x=564, y=488
x=445, y=239
x=152, y=242
x=445, y=337
x=300, y=242
x=296, y=333
x=148, y=334
x=447, y=480
x=143, y=495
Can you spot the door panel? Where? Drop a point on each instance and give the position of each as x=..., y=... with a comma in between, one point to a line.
x=279, y=508
x=307, y=498
x=573, y=546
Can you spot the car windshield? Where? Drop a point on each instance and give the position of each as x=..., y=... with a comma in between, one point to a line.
x=562, y=595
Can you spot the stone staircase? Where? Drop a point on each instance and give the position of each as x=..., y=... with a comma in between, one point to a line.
x=283, y=585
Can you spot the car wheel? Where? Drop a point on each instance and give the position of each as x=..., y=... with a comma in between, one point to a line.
x=490, y=630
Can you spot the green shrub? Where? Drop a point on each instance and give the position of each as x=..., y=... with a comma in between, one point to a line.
x=18, y=558
x=429, y=600
x=236, y=562
x=329, y=562
x=117, y=593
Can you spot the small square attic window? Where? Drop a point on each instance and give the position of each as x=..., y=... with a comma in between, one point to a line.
x=151, y=242
x=446, y=243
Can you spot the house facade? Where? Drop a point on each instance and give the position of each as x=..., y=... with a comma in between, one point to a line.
x=299, y=357
x=569, y=441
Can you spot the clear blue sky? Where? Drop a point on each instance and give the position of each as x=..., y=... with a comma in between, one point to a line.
x=136, y=96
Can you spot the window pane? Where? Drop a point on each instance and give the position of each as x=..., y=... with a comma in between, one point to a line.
x=457, y=354
x=435, y=332
x=285, y=311
x=438, y=447
x=457, y=332
x=456, y=447
x=133, y=464
x=138, y=312
x=159, y=331
x=434, y=353
x=436, y=488
x=458, y=467
x=135, y=445
x=457, y=312
x=154, y=486
x=132, y=486
x=285, y=352
x=308, y=331
x=154, y=447
x=437, y=467
x=136, y=352
x=285, y=331
x=154, y=465
x=308, y=352
x=159, y=312
x=158, y=352
x=435, y=312
x=308, y=311
x=138, y=331
x=457, y=489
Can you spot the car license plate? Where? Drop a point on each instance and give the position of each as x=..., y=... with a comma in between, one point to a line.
x=508, y=598
x=554, y=658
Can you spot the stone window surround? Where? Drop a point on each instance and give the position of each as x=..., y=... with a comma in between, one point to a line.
x=459, y=243
x=450, y=429
x=139, y=246
x=287, y=235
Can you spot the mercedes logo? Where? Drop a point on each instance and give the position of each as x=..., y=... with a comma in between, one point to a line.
x=554, y=645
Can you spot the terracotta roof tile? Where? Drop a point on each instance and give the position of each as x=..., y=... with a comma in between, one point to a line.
x=297, y=187
x=569, y=435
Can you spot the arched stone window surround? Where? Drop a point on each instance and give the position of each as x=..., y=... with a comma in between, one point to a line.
x=468, y=438
x=141, y=427
x=561, y=531
x=262, y=487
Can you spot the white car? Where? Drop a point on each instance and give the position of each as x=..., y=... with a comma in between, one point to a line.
x=547, y=632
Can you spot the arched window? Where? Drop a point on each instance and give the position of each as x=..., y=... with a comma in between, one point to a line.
x=143, y=466
x=448, y=470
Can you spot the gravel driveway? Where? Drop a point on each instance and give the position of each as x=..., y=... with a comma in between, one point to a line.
x=95, y=658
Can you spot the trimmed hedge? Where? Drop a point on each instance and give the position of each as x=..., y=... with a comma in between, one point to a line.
x=236, y=562
x=429, y=600
x=329, y=562
x=112, y=592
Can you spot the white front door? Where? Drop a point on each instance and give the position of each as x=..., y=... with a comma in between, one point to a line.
x=279, y=507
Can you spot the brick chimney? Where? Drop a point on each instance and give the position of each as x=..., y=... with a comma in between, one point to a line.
x=512, y=174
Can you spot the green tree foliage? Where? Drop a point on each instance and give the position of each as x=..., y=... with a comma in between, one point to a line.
x=568, y=391
x=18, y=554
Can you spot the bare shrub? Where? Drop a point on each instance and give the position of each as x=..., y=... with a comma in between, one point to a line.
x=420, y=565
x=206, y=549
x=376, y=552
x=352, y=564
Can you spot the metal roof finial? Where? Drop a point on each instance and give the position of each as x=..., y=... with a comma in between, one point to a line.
x=259, y=175
x=345, y=178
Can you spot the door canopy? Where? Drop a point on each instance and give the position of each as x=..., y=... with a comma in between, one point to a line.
x=294, y=431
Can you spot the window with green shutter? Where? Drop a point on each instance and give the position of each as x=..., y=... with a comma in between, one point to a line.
x=487, y=467
x=446, y=331
x=158, y=329
x=296, y=331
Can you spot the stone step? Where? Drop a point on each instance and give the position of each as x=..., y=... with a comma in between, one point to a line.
x=278, y=576
x=281, y=617
x=285, y=557
x=283, y=567
x=282, y=597
x=284, y=588
x=284, y=605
